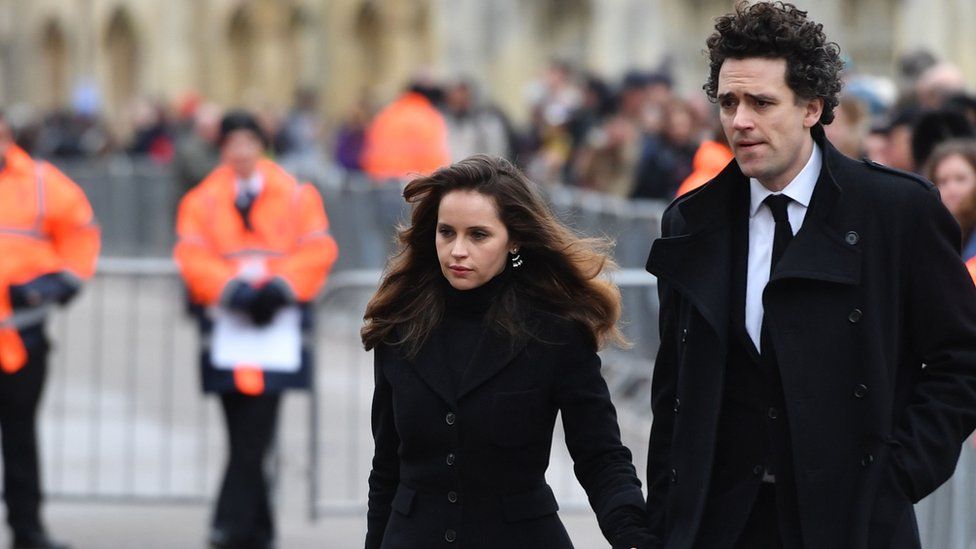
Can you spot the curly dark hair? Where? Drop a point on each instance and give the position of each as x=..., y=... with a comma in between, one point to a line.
x=777, y=30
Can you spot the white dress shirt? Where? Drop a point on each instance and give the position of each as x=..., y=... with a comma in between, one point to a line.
x=761, y=231
x=252, y=185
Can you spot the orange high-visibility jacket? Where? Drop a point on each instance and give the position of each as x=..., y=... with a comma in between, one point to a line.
x=290, y=237
x=971, y=265
x=710, y=159
x=407, y=138
x=46, y=223
x=46, y=226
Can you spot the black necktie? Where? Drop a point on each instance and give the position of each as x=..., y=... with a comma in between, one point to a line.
x=244, y=201
x=783, y=233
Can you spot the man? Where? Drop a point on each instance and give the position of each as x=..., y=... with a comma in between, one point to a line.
x=801, y=294
x=48, y=244
x=254, y=250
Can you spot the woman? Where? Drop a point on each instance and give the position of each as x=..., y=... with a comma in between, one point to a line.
x=484, y=327
x=952, y=167
x=254, y=249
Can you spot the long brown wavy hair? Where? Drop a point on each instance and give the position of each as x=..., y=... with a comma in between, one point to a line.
x=559, y=274
x=965, y=148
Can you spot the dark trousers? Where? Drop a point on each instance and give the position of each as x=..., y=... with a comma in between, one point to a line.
x=243, y=515
x=20, y=393
x=770, y=525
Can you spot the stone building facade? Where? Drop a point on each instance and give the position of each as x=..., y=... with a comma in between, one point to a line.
x=259, y=52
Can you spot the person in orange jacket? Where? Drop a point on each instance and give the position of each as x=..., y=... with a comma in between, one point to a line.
x=254, y=249
x=407, y=138
x=711, y=158
x=49, y=243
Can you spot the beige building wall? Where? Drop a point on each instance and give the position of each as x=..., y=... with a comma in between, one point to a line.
x=257, y=53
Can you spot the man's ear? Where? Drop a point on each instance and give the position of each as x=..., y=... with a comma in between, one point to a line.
x=814, y=108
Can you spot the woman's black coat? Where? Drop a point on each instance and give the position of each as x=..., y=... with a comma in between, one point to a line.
x=466, y=468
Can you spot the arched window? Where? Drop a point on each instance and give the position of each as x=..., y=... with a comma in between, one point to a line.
x=122, y=49
x=240, y=38
x=54, y=51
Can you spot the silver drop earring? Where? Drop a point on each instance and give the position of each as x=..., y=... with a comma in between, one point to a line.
x=516, y=259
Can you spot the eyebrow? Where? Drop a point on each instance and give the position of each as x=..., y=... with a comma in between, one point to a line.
x=753, y=96
x=472, y=228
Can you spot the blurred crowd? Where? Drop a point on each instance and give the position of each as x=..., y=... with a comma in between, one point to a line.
x=634, y=137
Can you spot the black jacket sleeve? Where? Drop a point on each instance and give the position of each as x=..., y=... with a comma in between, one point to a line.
x=385, y=474
x=602, y=463
x=941, y=327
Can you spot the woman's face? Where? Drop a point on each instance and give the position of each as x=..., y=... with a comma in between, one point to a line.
x=472, y=242
x=956, y=180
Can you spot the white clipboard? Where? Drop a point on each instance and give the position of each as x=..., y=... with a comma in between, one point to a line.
x=276, y=347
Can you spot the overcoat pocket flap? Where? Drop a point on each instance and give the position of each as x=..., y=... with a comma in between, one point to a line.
x=403, y=499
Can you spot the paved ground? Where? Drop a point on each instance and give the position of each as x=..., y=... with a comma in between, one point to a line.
x=99, y=526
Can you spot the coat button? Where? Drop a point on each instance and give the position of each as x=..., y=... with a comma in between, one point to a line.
x=450, y=418
x=684, y=335
x=772, y=413
x=852, y=238
x=868, y=459
x=450, y=458
x=450, y=536
x=452, y=496
x=860, y=391
x=855, y=316
x=674, y=475
x=677, y=405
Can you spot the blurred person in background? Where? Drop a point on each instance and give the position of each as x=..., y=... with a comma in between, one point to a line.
x=553, y=98
x=666, y=159
x=408, y=136
x=49, y=243
x=712, y=156
x=608, y=156
x=473, y=127
x=952, y=167
x=487, y=325
x=196, y=153
x=301, y=132
x=897, y=150
x=153, y=135
x=350, y=138
x=937, y=83
x=849, y=129
x=935, y=127
x=254, y=249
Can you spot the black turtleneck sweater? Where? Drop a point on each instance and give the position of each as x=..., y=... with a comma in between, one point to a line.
x=459, y=332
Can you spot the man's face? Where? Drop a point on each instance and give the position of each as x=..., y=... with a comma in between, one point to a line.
x=767, y=126
x=241, y=151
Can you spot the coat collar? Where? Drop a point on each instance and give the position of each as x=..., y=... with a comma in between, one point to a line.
x=494, y=352
x=696, y=261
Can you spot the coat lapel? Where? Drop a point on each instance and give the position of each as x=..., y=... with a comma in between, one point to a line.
x=824, y=249
x=494, y=352
x=431, y=365
x=697, y=263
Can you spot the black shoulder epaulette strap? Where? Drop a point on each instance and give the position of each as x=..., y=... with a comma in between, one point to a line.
x=902, y=173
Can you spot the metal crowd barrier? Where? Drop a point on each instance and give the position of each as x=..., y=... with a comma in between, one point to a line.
x=135, y=201
x=124, y=419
